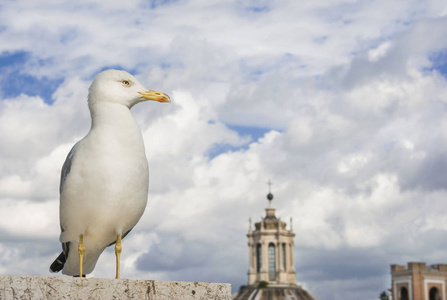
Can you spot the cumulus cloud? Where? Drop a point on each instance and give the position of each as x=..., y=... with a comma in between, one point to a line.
x=348, y=98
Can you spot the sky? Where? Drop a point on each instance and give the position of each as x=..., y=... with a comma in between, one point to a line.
x=340, y=103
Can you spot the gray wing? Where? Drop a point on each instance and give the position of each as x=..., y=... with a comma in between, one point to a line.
x=67, y=166
x=58, y=264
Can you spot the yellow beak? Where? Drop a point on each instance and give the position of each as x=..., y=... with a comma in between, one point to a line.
x=156, y=96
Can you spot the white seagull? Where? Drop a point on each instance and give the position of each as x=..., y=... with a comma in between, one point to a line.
x=105, y=179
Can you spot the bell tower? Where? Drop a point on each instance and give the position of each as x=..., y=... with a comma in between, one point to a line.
x=271, y=270
x=271, y=250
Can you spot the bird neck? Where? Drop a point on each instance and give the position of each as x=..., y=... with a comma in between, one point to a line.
x=107, y=114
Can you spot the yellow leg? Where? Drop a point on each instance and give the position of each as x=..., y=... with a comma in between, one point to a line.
x=118, y=250
x=81, y=251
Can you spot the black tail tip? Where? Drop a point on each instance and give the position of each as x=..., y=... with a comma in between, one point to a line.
x=58, y=264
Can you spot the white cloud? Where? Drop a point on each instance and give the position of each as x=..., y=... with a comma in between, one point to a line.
x=27, y=219
x=14, y=186
x=378, y=52
x=348, y=93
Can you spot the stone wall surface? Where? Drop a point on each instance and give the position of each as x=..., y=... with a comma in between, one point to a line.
x=39, y=287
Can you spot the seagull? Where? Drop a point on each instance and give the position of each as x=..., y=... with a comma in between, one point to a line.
x=105, y=178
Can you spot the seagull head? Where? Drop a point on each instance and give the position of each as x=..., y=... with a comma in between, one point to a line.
x=120, y=87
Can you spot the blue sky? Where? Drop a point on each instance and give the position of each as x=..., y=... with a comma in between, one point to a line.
x=439, y=62
x=14, y=82
x=340, y=103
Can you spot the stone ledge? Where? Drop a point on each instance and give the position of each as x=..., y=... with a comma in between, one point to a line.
x=39, y=287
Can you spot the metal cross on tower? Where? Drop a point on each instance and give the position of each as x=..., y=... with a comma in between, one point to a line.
x=270, y=185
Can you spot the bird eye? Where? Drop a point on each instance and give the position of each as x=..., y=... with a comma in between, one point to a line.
x=126, y=83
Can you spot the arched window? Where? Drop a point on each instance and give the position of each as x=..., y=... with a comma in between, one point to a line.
x=272, y=262
x=258, y=257
x=404, y=294
x=435, y=294
x=284, y=256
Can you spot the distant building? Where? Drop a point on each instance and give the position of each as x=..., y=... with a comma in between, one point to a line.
x=419, y=281
x=271, y=273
